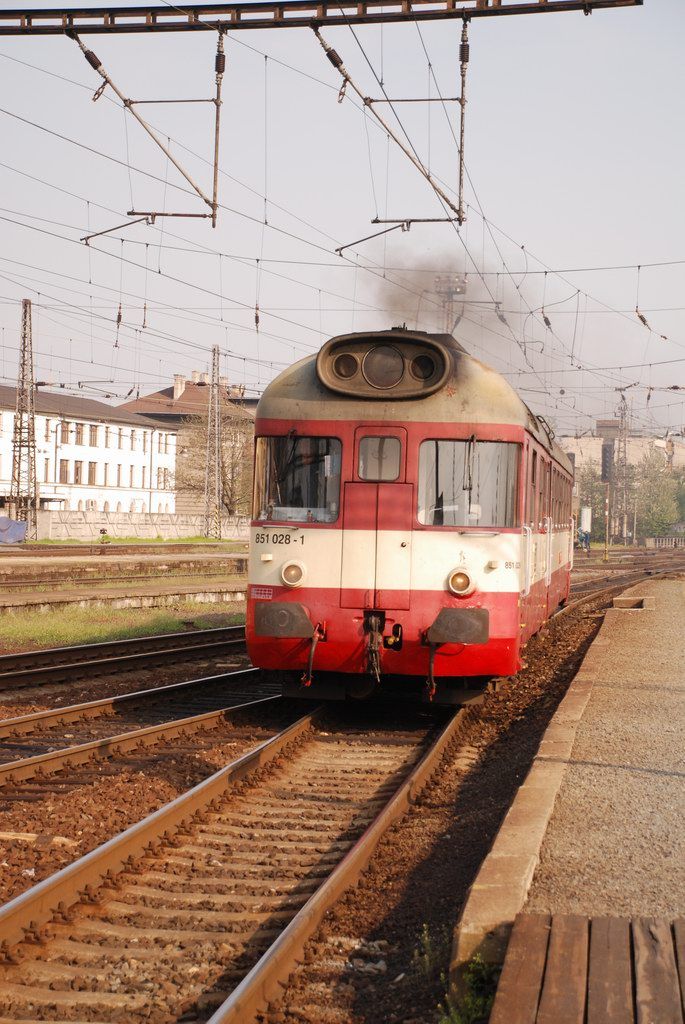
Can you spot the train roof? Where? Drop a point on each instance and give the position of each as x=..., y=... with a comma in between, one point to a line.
x=460, y=388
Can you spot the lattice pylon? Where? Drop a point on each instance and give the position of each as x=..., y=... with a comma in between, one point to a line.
x=23, y=500
x=213, y=474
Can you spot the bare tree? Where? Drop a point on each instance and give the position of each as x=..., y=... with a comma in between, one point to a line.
x=237, y=431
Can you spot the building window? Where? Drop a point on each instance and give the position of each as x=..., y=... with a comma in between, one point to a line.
x=159, y=444
x=91, y=505
x=130, y=481
x=121, y=437
x=160, y=479
x=93, y=436
x=118, y=506
x=46, y=477
x=106, y=437
x=133, y=440
x=118, y=476
x=79, y=507
x=47, y=430
x=64, y=471
x=78, y=435
x=105, y=475
x=78, y=472
x=144, y=441
x=143, y=482
x=166, y=444
x=166, y=479
x=105, y=507
x=64, y=432
x=92, y=470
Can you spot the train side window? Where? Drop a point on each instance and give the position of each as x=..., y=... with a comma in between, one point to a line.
x=466, y=483
x=379, y=458
x=542, y=476
x=531, y=488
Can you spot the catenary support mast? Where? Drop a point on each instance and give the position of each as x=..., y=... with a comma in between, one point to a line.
x=23, y=500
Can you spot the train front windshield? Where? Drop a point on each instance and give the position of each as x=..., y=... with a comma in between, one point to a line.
x=468, y=483
x=297, y=479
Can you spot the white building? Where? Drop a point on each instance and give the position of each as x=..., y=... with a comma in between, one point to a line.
x=587, y=449
x=91, y=456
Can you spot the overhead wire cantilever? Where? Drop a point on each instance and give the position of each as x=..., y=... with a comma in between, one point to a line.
x=130, y=105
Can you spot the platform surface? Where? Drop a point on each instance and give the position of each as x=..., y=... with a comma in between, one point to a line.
x=615, y=844
x=570, y=969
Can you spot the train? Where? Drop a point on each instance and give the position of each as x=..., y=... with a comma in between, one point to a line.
x=411, y=525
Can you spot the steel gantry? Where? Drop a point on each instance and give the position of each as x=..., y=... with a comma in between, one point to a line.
x=184, y=17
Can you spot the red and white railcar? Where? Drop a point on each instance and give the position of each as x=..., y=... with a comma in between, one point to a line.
x=412, y=520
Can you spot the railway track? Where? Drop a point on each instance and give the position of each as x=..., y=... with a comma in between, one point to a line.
x=45, y=743
x=61, y=664
x=623, y=576
x=200, y=909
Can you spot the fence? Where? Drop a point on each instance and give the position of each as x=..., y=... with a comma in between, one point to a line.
x=674, y=541
x=86, y=526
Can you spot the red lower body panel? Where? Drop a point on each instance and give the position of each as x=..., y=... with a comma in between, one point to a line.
x=344, y=648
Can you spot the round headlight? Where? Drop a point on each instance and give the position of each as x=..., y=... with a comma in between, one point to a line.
x=460, y=583
x=383, y=367
x=345, y=365
x=422, y=367
x=292, y=574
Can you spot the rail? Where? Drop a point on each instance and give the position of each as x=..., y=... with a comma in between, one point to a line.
x=59, y=663
x=272, y=916
x=51, y=761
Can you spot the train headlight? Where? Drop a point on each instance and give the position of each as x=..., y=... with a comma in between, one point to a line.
x=460, y=583
x=383, y=367
x=293, y=574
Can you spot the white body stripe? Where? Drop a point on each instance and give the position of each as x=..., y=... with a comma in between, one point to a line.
x=424, y=564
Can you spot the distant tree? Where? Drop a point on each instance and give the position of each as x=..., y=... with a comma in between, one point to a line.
x=656, y=496
x=591, y=492
x=680, y=498
x=237, y=430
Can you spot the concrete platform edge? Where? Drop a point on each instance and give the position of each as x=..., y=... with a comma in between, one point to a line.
x=499, y=890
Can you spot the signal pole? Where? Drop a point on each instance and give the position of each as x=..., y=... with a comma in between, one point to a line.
x=450, y=287
x=621, y=492
x=23, y=499
x=213, y=481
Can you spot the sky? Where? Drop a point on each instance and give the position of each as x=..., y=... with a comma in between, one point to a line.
x=574, y=151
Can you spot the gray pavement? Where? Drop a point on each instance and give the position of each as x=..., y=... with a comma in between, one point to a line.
x=616, y=842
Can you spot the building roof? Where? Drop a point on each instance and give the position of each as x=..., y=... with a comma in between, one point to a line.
x=69, y=406
x=192, y=401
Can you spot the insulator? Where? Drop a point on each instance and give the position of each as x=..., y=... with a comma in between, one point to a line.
x=334, y=57
x=93, y=60
x=220, y=63
x=464, y=53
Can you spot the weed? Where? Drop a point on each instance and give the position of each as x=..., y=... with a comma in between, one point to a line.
x=480, y=983
x=431, y=952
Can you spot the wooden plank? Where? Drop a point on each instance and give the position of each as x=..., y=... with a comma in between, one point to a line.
x=565, y=984
x=679, y=933
x=610, y=989
x=518, y=991
x=657, y=991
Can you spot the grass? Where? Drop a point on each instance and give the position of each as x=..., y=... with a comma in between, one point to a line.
x=62, y=628
x=480, y=983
